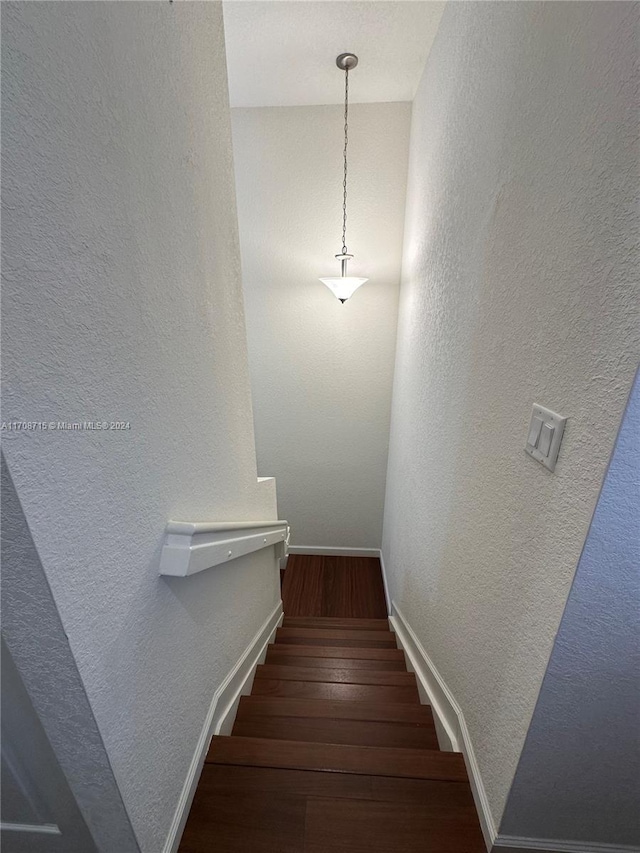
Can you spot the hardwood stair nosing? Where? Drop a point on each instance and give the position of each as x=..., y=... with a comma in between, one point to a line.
x=236, y=778
x=338, y=634
x=341, y=709
x=336, y=622
x=331, y=758
x=346, y=732
x=273, y=656
x=343, y=642
x=338, y=675
x=346, y=652
x=335, y=690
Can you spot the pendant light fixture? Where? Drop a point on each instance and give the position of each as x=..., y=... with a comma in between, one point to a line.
x=345, y=285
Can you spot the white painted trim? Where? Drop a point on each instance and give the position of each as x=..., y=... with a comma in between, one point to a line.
x=191, y=527
x=442, y=702
x=521, y=844
x=191, y=547
x=219, y=719
x=447, y=713
x=387, y=597
x=334, y=552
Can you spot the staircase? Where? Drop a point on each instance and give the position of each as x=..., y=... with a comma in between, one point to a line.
x=332, y=751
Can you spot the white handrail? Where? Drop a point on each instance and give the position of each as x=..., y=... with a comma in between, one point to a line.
x=207, y=526
x=193, y=546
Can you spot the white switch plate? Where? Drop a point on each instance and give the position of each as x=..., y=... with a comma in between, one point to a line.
x=550, y=422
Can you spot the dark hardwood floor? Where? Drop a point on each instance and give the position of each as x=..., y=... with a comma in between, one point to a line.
x=333, y=586
x=332, y=752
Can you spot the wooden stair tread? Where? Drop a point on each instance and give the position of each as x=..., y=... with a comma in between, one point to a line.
x=265, y=809
x=367, y=760
x=421, y=792
x=391, y=712
x=363, y=826
x=275, y=780
x=354, y=732
x=255, y=820
x=274, y=656
x=344, y=642
x=330, y=635
x=331, y=586
x=337, y=675
x=312, y=783
x=324, y=690
x=350, y=653
x=335, y=622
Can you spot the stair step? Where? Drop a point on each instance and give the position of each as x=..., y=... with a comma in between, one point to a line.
x=274, y=655
x=322, y=690
x=391, y=712
x=254, y=821
x=337, y=675
x=335, y=637
x=338, y=758
x=232, y=778
x=313, y=729
x=265, y=809
x=236, y=779
x=364, y=826
x=335, y=622
x=349, y=653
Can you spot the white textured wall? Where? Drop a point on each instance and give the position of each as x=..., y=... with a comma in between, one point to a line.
x=519, y=285
x=35, y=637
x=122, y=300
x=322, y=371
x=580, y=767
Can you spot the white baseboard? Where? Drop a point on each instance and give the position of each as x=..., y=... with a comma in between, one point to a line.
x=452, y=729
x=384, y=582
x=518, y=844
x=333, y=552
x=219, y=719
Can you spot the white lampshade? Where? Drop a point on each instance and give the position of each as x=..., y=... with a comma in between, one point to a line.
x=343, y=286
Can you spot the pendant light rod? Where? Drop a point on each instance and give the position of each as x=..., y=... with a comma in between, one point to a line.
x=345, y=61
x=344, y=286
x=344, y=154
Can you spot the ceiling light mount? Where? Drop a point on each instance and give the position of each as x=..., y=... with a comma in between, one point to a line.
x=345, y=285
x=346, y=61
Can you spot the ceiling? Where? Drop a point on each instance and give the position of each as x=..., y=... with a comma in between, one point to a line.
x=282, y=52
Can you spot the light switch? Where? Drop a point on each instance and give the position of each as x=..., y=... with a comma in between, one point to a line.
x=534, y=431
x=545, y=434
x=546, y=437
